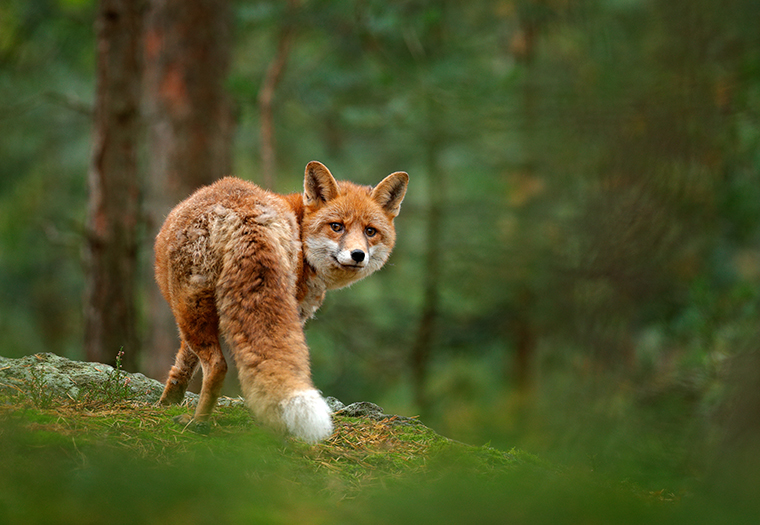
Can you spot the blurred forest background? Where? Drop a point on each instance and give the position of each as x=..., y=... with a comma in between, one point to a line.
x=578, y=262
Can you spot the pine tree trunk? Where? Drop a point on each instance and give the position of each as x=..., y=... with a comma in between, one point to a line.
x=187, y=54
x=114, y=200
x=422, y=349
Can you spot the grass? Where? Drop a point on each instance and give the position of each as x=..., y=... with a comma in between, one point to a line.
x=97, y=460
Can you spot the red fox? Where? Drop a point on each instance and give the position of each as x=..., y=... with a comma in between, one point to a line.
x=251, y=265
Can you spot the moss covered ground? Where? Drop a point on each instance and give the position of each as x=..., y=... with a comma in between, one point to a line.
x=97, y=459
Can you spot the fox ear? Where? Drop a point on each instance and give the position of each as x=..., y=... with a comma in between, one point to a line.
x=390, y=192
x=319, y=185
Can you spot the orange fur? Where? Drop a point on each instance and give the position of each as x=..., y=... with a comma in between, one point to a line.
x=237, y=260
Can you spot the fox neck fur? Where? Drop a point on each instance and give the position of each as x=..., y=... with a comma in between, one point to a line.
x=356, y=209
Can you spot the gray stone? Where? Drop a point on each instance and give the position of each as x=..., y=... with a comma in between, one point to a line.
x=51, y=376
x=334, y=404
x=60, y=377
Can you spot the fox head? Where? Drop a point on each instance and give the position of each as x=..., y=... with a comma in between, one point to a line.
x=347, y=228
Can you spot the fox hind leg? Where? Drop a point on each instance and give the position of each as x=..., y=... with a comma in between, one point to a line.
x=214, y=369
x=199, y=330
x=183, y=370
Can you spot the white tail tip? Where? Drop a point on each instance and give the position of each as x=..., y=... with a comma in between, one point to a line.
x=307, y=416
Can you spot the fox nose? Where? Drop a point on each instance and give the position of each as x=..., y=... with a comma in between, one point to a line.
x=357, y=255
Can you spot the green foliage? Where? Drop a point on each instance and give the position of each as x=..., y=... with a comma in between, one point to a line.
x=599, y=168
x=38, y=391
x=114, y=389
x=46, y=79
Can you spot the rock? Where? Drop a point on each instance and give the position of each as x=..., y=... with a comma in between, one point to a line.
x=51, y=375
x=47, y=376
x=363, y=409
x=372, y=411
x=334, y=404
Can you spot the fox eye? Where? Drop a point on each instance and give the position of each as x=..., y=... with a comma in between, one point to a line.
x=336, y=227
x=369, y=231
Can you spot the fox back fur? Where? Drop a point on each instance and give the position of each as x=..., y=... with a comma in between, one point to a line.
x=251, y=265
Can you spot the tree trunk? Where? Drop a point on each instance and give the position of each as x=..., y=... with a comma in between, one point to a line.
x=525, y=344
x=423, y=345
x=523, y=48
x=187, y=55
x=114, y=200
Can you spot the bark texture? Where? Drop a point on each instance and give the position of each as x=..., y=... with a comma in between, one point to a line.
x=187, y=55
x=114, y=189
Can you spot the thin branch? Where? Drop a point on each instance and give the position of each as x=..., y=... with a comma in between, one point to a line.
x=266, y=99
x=69, y=102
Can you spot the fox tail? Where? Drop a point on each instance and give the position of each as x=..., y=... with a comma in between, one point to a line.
x=258, y=314
x=307, y=416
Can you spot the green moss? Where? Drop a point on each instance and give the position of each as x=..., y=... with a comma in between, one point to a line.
x=130, y=463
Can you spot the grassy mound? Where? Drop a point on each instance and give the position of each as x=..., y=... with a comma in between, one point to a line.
x=100, y=458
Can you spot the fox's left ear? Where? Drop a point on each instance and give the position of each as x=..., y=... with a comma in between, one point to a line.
x=390, y=192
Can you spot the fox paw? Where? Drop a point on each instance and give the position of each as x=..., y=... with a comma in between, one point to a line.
x=200, y=427
x=187, y=422
x=172, y=397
